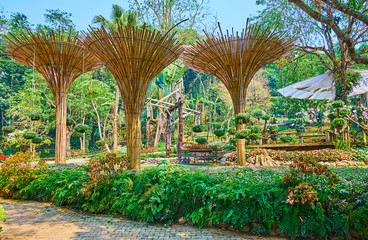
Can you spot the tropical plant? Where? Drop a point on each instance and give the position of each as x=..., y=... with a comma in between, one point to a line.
x=81, y=128
x=8, y=129
x=201, y=140
x=29, y=135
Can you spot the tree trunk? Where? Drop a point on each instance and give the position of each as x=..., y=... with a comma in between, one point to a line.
x=168, y=134
x=133, y=138
x=60, y=141
x=181, y=129
x=115, y=123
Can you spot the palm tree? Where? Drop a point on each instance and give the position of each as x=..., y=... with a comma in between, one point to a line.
x=118, y=17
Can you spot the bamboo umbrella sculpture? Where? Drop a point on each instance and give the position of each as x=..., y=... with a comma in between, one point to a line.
x=60, y=58
x=134, y=56
x=235, y=59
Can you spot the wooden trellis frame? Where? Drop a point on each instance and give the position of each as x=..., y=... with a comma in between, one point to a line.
x=235, y=58
x=134, y=56
x=60, y=59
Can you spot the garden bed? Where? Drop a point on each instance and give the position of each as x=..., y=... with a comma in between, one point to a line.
x=306, y=200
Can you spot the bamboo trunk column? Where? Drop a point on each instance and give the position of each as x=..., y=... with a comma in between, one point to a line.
x=133, y=133
x=60, y=141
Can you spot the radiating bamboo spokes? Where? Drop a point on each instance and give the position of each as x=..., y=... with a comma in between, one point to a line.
x=235, y=59
x=134, y=56
x=60, y=58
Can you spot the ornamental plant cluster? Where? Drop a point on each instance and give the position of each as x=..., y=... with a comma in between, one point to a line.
x=323, y=155
x=309, y=206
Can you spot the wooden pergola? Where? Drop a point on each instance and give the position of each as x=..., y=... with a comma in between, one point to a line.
x=134, y=56
x=235, y=58
x=60, y=59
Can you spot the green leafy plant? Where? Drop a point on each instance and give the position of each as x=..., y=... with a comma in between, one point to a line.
x=258, y=113
x=255, y=129
x=266, y=117
x=338, y=104
x=35, y=117
x=77, y=135
x=232, y=141
x=8, y=129
x=338, y=122
x=254, y=136
x=100, y=143
x=199, y=128
x=81, y=128
x=286, y=138
x=69, y=121
x=29, y=135
x=220, y=132
x=344, y=112
x=37, y=140
x=2, y=215
x=231, y=131
x=242, y=134
x=201, y=140
x=332, y=116
x=242, y=118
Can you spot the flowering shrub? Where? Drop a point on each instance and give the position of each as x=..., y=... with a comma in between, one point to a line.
x=198, y=146
x=148, y=149
x=232, y=157
x=323, y=155
x=302, y=194
x=18, y=171
x=100, y=170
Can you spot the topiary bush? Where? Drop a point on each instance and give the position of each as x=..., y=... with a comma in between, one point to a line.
x=100, y=143
x=232, y=141
x=219, y=132
x=35, y=117
x=338, y=104
x=8, y=129
x=77, y=135
x=242, y=118
x=338, y=122
x=266, y=117
x=231, y=131
x=37, y=140
x=254, y=136
x=344, y=112
x=29, y=135
x=216, y=125
x=258, y=113
x=81, y=128
x=286, y=138
x=201, y=140
x=332, y=116
x=198, y=128
x=242, y=134
x=69, y=121
x=255, y=129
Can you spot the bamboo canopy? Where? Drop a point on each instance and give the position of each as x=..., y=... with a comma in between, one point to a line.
x=134, y=56
x=60, y=58
x=235, y=59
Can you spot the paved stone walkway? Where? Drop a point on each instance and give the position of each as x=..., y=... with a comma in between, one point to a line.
x=35, y=220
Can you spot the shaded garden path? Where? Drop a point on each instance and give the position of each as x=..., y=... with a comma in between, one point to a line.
x=35, y=220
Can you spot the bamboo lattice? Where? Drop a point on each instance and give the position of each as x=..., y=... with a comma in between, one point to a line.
x=134, y=56
x=60, y=58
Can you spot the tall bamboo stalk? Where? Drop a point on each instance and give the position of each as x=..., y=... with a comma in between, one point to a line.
x=134, y=56
x=60, y=59
x=235, y=58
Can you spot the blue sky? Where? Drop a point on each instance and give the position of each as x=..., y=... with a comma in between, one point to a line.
x=230, y=13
